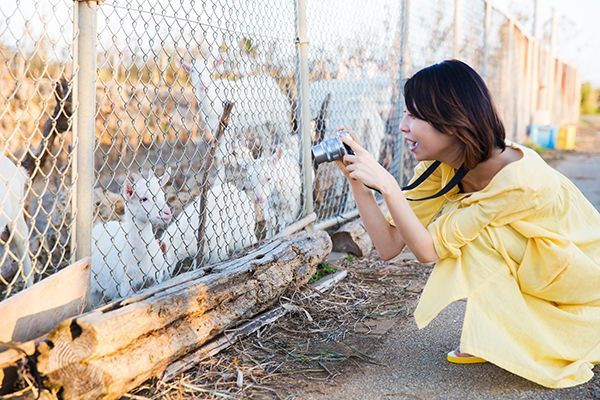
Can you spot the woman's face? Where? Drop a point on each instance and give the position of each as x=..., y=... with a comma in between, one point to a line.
x=425, y=142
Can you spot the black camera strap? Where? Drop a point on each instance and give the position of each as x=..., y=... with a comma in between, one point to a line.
x=460, y=174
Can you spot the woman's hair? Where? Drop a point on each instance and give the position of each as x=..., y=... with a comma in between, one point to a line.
x=454, y=99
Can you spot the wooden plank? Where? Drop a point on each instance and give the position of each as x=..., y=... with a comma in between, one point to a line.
x=40, y=308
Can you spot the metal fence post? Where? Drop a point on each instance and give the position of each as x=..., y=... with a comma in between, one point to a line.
x=85, y=99
x=404, y=72
x=487, y=25
x=513, y=103
x=457, y=29
x=303, y=111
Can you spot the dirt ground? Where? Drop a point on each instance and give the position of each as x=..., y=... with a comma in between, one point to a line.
x=359, y=340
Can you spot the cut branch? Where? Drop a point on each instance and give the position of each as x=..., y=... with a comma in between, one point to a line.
x=59, y=122
x=208, y=164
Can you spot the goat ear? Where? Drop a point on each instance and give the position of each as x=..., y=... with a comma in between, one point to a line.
x=279, y=153
x=164, y=179
x=128, y=189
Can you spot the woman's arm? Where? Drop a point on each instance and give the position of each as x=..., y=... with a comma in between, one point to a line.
x=415, y=235
x=386, y=238
x=363, y=169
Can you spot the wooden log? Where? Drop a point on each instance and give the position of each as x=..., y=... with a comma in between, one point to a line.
x=225, y=340
x=352, y=238
x=107, y=352
x=33, y=312
x=297, y=226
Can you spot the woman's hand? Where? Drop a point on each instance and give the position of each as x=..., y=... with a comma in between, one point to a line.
x=364, y=168
x=341, y=165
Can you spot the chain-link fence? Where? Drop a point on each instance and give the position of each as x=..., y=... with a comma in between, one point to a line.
x=36, y=109
x=160, y=137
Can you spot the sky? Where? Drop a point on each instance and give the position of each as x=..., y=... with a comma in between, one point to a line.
x=576, y=36
x=578, y=31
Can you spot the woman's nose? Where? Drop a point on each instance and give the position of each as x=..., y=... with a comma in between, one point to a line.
x=404, y=125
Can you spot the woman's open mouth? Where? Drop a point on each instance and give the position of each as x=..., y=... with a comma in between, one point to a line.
x=412, y=145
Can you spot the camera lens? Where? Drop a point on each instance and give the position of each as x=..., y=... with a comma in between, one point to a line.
x=328, y=150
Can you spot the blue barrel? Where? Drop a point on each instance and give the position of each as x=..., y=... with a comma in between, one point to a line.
x=544, y=135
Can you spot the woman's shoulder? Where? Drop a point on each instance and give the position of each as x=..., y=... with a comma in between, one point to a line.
x=529, y=176
x=533, y=172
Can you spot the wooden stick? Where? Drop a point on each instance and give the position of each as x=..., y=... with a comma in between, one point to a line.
x=225, y=340
x=58, y=122
x=208, y=164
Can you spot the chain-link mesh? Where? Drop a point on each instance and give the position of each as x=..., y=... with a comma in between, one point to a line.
x=172, y=190
x=35, y=134
x=430, y=33
x=165, y=72
x=353, y=81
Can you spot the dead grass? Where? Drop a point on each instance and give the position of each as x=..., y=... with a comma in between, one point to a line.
x=321, y=338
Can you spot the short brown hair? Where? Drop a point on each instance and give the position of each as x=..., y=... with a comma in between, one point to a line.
x=454, y=99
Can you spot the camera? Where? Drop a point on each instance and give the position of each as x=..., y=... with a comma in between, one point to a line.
x=330, y=150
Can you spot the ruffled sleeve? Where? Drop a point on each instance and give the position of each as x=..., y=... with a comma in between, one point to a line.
x=452, y=230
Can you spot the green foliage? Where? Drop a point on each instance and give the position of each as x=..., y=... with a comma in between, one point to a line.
x=590, y=99
x=247, y=46
x=323, y=269
x=350, y=258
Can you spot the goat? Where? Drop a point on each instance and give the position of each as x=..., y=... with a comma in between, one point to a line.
x=230, y=226
x=126, y=255
x=276, y=178
x=12, y=194
x=261, y=115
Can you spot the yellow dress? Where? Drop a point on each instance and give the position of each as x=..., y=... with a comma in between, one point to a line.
x=525, y=253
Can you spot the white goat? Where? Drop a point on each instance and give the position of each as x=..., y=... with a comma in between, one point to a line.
x=12, y=194
x=126, y=255
x=230, y=226
x=261, y=112
x=278, y=178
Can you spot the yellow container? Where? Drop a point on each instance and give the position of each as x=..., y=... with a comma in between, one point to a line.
x=566, y=137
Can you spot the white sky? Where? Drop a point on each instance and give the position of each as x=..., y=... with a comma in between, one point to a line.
x=577, y=22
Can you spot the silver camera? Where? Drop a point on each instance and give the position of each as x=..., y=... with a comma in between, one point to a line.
x=330, y=150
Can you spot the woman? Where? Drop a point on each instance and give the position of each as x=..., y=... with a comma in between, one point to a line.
x=515, y=238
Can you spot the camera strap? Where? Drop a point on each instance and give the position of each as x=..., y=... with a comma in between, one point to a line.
x=460, y=174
